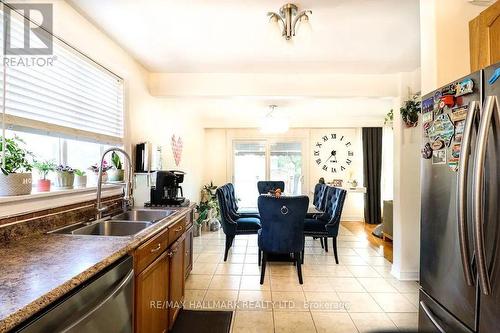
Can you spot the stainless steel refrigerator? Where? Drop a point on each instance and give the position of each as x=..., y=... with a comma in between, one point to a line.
x=460, y=223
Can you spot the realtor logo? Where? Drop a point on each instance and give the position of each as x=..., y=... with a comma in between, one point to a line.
x=35, y=38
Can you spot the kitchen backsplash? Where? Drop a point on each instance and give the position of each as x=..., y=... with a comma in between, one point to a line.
x=40, y=222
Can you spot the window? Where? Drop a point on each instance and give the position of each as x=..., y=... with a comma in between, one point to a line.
x=265, y=160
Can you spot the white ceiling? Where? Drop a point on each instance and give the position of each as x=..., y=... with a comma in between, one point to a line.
x=346, y=36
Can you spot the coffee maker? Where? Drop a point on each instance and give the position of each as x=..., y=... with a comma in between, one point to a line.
x=167, y=189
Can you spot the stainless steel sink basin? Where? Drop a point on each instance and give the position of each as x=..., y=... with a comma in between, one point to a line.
x=112, y=228
x=152, y=215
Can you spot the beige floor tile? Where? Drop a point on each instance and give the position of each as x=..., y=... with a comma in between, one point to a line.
x=229, y=269
x=352, y=260
x=412, y=297
x=328, y=322
x=287, y=269
x=341, y=284
x=324, y=301
x=238, y=249
x=384, y=271
x=377, y=261
x=369, y=322
x=225, y=282
x=289, y=301
x=404, y=286
x=251, y=269
x=251, y=259
x=195, y=281
x=337, y=271
x=405, y=321
x=209, y=257
x=253, y=322
x=204, y=268
x=359, y=302
x=255, y=300
x=363, y=271
x=393, y=302
x=235, y=258
x=220, y=299
x=314, y=270
x=377, y=285
x=316, y=283
x=193, y=299
x=293, y=322
x=285, y=283
x=252, y=282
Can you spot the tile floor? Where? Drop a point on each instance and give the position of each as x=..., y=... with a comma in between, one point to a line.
x=357, y=296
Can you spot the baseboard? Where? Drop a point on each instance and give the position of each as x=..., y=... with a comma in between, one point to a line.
x=353, y=219
x=405, y=276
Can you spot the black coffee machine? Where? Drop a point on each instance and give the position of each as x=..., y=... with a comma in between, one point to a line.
x=167, y=189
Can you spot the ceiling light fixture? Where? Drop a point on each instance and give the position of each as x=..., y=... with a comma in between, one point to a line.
x=272, y=123
x=289, y=17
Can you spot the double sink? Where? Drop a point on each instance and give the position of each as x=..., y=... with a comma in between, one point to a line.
x=125, y=224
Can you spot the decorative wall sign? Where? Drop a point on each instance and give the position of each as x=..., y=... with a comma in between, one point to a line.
x=177, y=146
x=459, y=113
x=426, y=151
x=439, y=156
x=437, y=144
x=427, y=105
x=442, y=128
x=465, y=87
x=453, y=163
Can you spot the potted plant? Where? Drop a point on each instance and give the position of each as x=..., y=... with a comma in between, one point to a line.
x=15, y=178
x=410, y=111
x=201, y=216
x=65, y=177
x=80, y=178
x=95, y=171
x=116, y=174
x=43, y=184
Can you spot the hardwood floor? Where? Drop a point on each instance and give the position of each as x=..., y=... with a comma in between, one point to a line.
x=364, y=230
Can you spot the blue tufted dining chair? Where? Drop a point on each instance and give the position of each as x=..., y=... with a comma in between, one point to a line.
x=264, y=186
x=233, y=224
x=327, y=224
x=282, y=230
x=319, y=201
x=234, y=205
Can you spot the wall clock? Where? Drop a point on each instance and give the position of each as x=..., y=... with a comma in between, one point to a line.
x=333, y=153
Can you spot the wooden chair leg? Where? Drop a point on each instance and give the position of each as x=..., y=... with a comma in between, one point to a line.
x=334, y=243
x=263, y=267
x=325, y=239
x=321, y=241
x=229, y=242
x=298, y=263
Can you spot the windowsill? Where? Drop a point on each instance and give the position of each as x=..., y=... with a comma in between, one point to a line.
x=23, y=204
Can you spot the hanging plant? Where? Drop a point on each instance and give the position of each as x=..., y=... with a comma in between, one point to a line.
x=410, y=111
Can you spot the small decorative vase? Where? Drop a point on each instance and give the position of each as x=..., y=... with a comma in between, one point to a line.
x=116, y=175
x=214, y=224
x=43, y=185
x=15, y=184
x=80, y=181
x=96, y=176
x=354, y=183
x=64, y=179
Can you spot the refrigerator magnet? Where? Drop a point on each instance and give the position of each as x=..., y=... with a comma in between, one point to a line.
x=494, y=77
x=426, y=151
x=455, y=150
x=427, y=117
x=464, y=87
x=427, y=105
x=449, y=90
x=448, y=100
x=437, y=144
x=459, y=113
x=439, y=156
x=453, y=164
x=442, y=128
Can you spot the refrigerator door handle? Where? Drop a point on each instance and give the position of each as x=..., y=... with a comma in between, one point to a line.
x=462, y=193
x=491, y=104
x=430, y=315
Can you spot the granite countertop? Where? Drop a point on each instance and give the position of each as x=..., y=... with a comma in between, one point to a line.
x=36, y=271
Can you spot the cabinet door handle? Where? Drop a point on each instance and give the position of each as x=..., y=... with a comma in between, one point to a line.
x=157, y=248
x=170, y=254
x=178, y=229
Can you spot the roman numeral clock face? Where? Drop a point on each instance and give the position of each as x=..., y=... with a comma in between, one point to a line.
x=333, y=153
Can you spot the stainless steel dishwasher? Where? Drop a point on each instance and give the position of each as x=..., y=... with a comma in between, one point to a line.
x=103, y=304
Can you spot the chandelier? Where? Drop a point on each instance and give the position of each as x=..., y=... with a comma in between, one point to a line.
x=272, y=123
x=289, y=16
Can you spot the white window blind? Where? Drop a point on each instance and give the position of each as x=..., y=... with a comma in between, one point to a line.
x=73, y=96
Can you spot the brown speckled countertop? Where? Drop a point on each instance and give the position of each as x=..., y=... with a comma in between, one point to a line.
x=36, y=271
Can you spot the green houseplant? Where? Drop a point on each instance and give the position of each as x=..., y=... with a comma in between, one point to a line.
x=116, y=174
x=65, y=177
x=16, y=177
x=80, y=178
x=410, y=111
x=44, y=167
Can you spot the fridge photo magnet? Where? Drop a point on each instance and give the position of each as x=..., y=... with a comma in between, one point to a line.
x=437, y=144
x=442, y=128
x=427, y=105
x=455, y=150
x=453, y=164
x=427, y=117
x=459, y=113
x=439, y=156
x=426, y=151
x=449, y=90
x=464, y=87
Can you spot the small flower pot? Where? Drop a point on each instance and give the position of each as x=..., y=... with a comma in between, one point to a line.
x=15, y=184
x=43, y=185
x=64, y=180
x=96, y=176
x=116, y=175
x=80, y=181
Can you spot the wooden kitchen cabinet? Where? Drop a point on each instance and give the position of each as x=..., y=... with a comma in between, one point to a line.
x=176, y=281
x=484, y=35
x=151, y=290
x=188, y=252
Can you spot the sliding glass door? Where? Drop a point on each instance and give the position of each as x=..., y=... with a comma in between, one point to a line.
x=255, y=160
